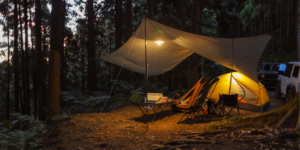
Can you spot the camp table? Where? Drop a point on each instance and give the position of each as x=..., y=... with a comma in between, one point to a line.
x=155, y=107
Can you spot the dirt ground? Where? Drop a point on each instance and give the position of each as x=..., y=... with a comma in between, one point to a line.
x=123, y=128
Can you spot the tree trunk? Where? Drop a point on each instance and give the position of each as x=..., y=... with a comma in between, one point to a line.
x=23, y=93
x=8, y=74
x=27, y=77
x=265, y=24
x=260, y=31
x=39, y=67
x=280, y=22
x=277, y=12
x=128, y=32
x=55, y=45
x=288, y=24
x=66, y=69
x=109, y=67
x=16, y=59
x=272, y=22
x=128, y=25
x=298, y=29
x=150, y=9
x=44, y=63
x=82, y=66
x=33, y=71
x=92, y=74
x=181, y=65
x=62, y=70
x=194, y=58
x=118, y=32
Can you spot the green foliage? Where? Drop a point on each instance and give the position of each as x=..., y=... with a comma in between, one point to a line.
x=24, y=134
x=84, y=102
x=135, y=98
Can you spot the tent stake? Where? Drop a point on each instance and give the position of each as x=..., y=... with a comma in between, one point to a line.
x=146, y=73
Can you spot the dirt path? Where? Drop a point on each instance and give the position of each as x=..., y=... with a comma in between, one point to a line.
x=124, y=129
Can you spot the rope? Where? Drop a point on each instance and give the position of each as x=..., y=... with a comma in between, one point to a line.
x=87, y=142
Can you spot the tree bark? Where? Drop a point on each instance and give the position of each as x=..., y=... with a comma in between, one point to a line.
x=39, y=67
x=194, y=58
x=265, y=24
x=55, y=45
x=92, y=74
x=62, y=52
x=272, y=22
x=150, y=9
x=8, y=74
x=16, y=59
x=118, y=32
x=128, y=33
x=109, y=66
x=82, y=65
x=280, y=26
x=128, y=25
x=260, y=31
x=23, y=93
x=27, y=77
x=33, y=71
x=288, y=24
x=181, y=65
x=298, y=29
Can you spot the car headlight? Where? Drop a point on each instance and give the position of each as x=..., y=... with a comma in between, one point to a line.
x=262, y=75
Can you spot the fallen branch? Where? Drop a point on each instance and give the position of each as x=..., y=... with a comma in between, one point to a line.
x=281, y=110
x=287, y=117
x=210, y=145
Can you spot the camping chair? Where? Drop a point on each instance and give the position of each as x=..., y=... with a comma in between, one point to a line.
x=230, y=102
x=191, y=94
x=193, y=110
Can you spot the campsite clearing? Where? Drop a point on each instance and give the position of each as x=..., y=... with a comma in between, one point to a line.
x=124, y=129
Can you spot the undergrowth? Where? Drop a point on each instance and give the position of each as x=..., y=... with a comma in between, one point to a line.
x=21, y=133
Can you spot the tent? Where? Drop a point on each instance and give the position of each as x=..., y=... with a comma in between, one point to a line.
x=154, y=49
x=252, y=96
x=143, y=47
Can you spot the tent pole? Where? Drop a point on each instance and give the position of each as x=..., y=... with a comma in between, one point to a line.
x=230, y=83
x=146, y=73
x=232, y=66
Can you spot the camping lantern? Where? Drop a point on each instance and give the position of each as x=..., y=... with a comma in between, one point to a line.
x=159, y=42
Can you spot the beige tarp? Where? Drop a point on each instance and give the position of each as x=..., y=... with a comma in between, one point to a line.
x=240, y=54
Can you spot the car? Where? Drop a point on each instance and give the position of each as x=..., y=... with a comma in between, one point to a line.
x=268, y=73
x=288, y=81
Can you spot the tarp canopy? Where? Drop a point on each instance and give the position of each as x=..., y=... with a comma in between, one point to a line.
x=240, y=54
x=252, y=96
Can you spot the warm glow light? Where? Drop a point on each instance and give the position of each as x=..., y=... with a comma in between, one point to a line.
x=159, y=42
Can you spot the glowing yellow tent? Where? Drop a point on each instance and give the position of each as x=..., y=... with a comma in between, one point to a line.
x=251, y=95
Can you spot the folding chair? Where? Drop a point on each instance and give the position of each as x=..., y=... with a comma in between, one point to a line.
x=191, y=94
x=193, y=110
x=230, y=102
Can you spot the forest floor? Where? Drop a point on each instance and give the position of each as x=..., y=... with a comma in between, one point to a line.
x=122, y=128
